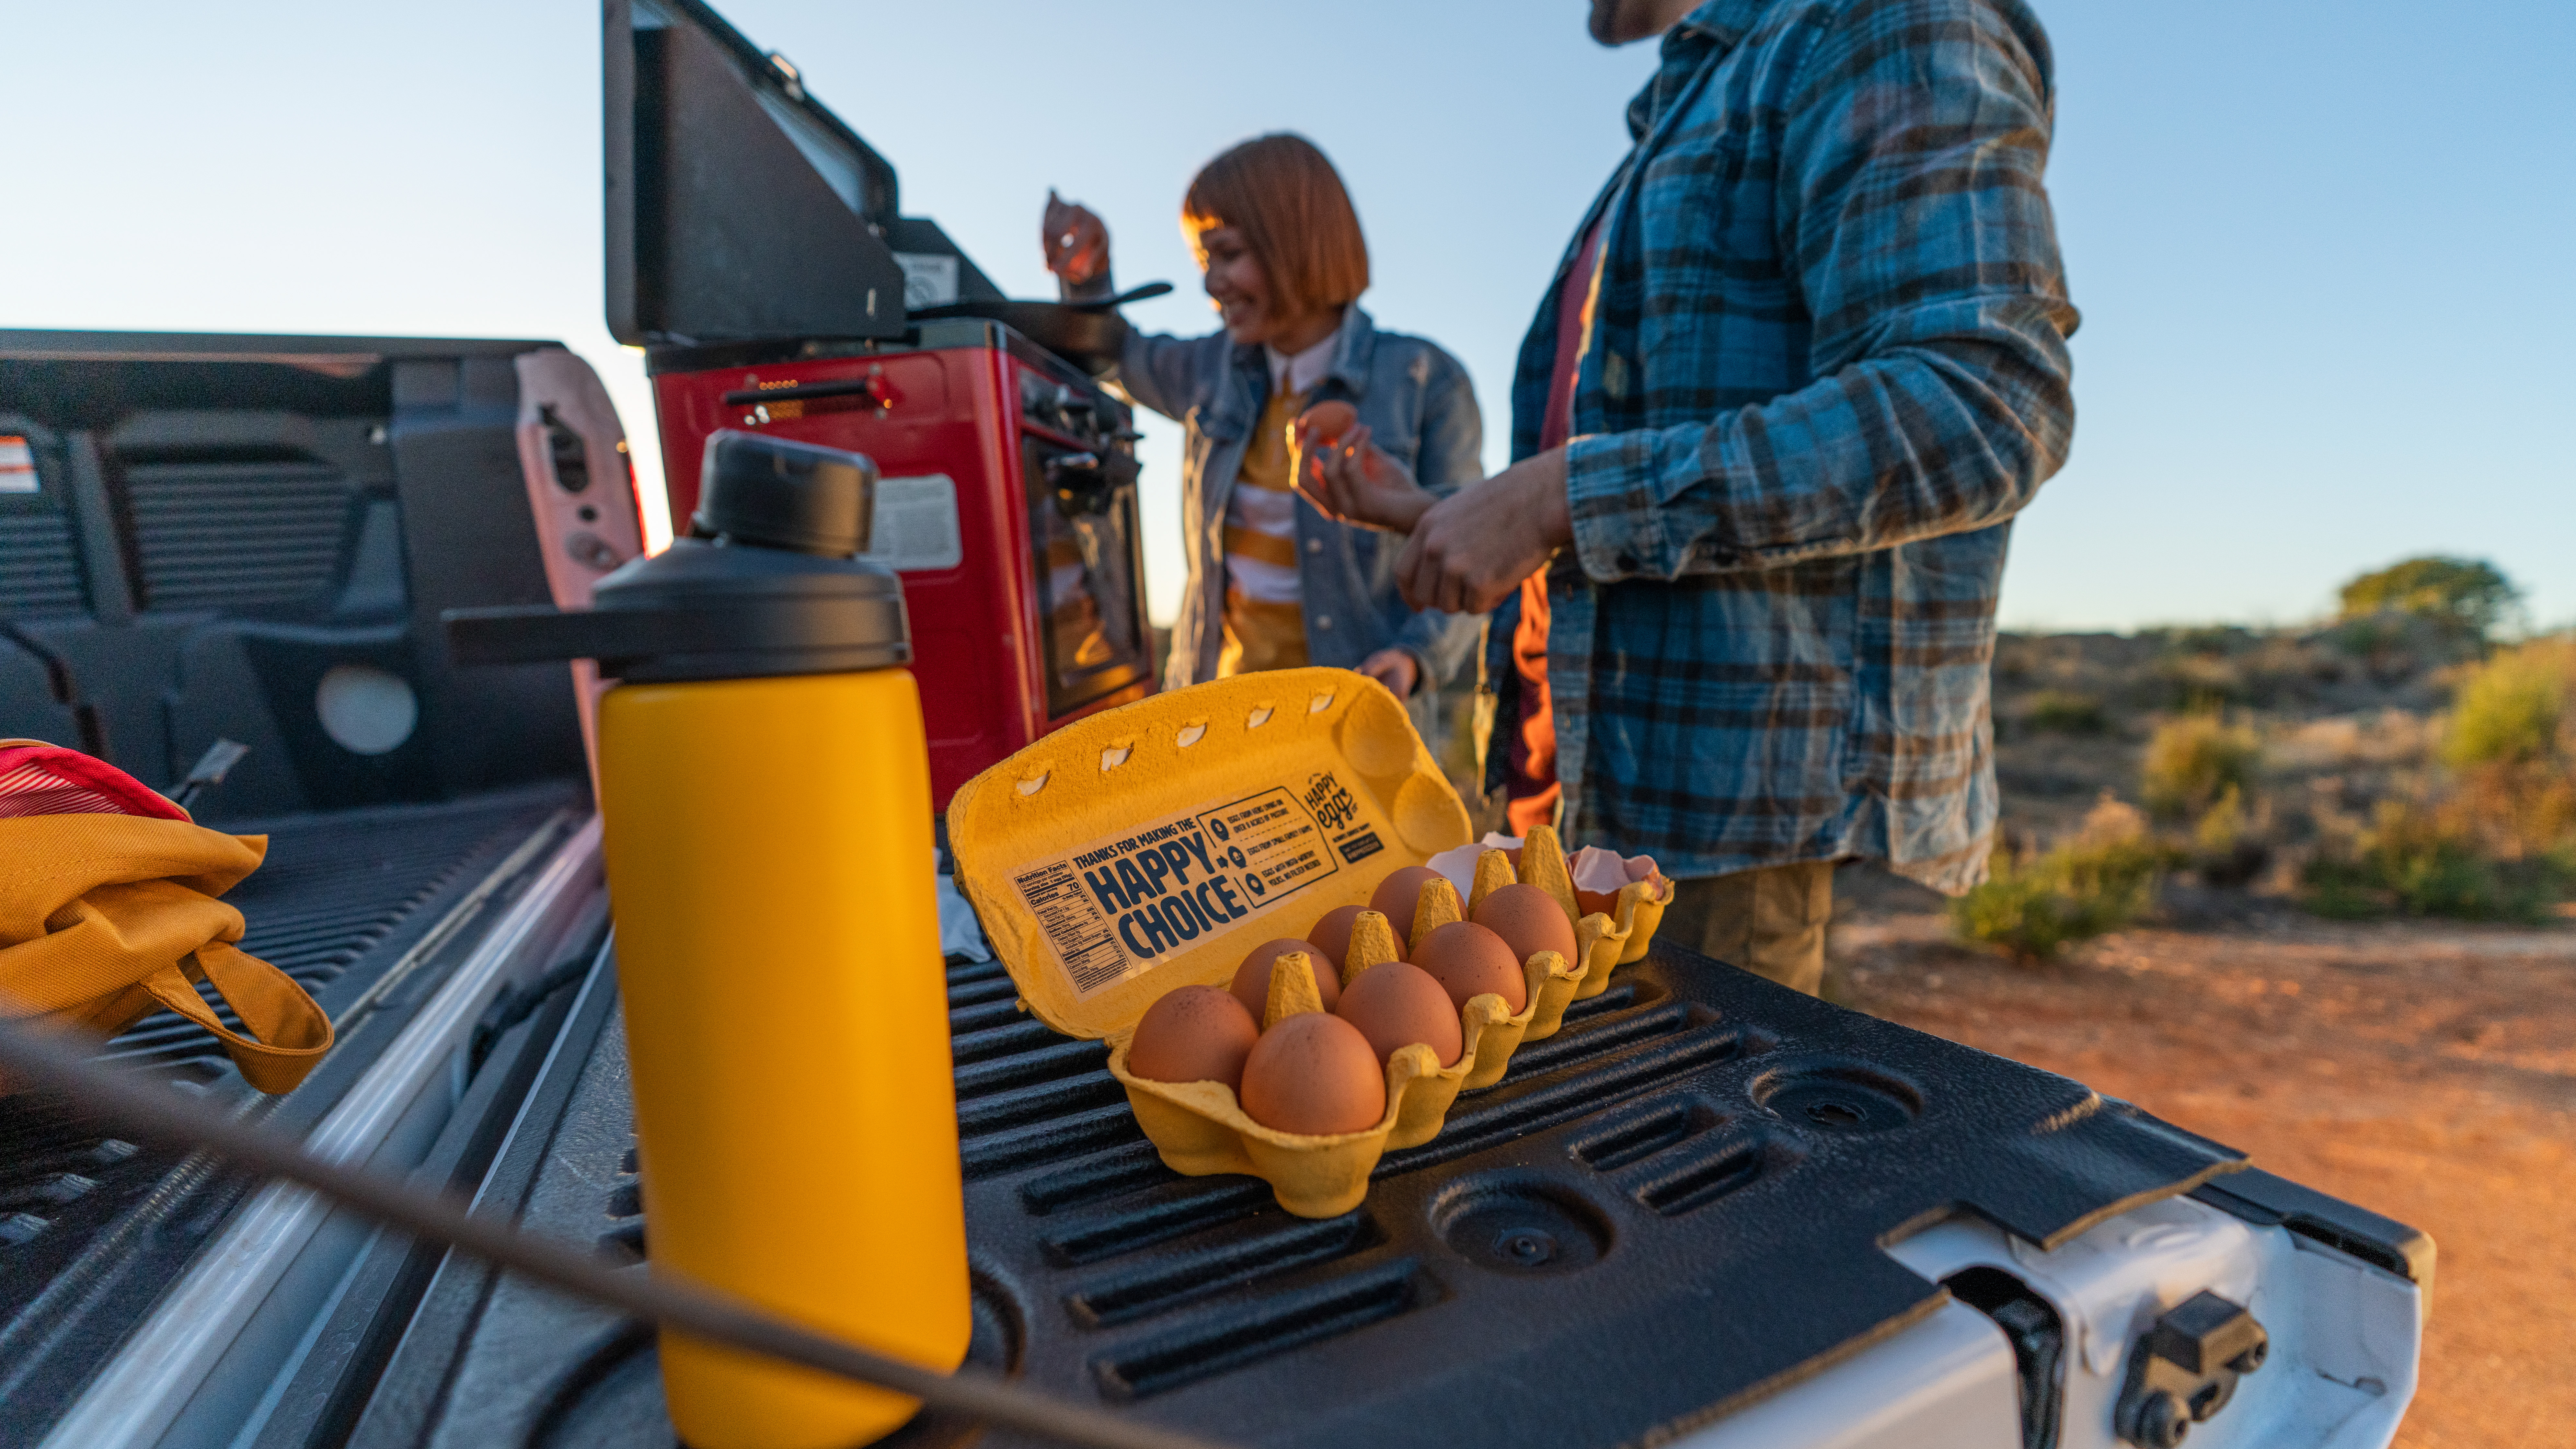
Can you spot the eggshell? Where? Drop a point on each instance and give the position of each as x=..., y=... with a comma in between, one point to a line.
x=1193, y=1034
x=1529, y=920
x=1398, y=895
x=1469, y=960
x=1395, y=1005
x=1314, y=1074
x=1327, y=421
x=1600, y=874
x=1458, y=863
x=1332, y=935
x=1252, y=978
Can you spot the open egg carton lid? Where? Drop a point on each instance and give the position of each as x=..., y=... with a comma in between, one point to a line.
x=1153, y=845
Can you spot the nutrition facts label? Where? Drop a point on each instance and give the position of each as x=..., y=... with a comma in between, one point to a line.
x=1082, y=938
x=1113, y=909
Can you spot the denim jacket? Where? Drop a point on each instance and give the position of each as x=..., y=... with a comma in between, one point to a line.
x=1417, y=401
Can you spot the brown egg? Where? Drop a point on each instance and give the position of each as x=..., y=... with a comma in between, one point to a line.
x=1332, y=934
x=1325, y=422
x=1398, y=894
x=1193, y=1034
x=1252, y=978
x=1395, y=1005
x=1316, y=1075
x=1529, y=920
x=1469, y=960
x=1595, y=903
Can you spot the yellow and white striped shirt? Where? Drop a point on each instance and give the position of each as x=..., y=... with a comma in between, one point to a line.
x=1265, y=620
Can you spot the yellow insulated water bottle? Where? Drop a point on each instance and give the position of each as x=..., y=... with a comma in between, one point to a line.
x=766, y=796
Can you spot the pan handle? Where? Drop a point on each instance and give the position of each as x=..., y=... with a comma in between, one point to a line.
x=1132, y=294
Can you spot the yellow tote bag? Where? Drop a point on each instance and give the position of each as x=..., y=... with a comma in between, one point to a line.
x=108, y=909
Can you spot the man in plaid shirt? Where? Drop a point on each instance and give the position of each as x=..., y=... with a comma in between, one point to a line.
x=1802, y=363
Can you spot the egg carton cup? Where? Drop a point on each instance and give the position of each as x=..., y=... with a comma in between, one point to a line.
x=1602, y=941
x=1200, y=1128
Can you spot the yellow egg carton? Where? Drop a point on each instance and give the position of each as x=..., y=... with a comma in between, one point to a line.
x=1105, y=877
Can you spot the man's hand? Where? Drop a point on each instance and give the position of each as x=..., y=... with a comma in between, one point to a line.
x=1394, y=668
x=1076, y=243
x=1471, y=550
x=1351, y=480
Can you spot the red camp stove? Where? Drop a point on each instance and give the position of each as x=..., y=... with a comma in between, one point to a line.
x=1007, y=501
x=756, y=252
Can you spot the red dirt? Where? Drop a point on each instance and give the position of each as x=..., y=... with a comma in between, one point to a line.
x=2425, y=1072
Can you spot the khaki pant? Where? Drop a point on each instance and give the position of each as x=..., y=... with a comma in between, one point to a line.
x=1769, y=921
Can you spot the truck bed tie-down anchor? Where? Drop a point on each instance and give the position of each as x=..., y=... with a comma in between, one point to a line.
x=2185, y=1369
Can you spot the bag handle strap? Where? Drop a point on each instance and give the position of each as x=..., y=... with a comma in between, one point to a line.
x=288, y=1032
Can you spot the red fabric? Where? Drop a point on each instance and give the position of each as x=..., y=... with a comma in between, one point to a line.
x=41, y=779
x=1530, y=786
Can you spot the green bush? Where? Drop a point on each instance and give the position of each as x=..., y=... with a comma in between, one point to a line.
x=2468, y=594
x=2099, y=881
x=2066, y=712
x=2193, y=761
x=2227, y=842
x=2415, y=861
x=2510, y=710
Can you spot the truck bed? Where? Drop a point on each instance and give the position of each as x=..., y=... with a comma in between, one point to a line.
x=1679, y=1206
x=367, y=909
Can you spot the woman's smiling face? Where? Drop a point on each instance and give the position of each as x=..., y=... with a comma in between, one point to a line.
x=1238, y=287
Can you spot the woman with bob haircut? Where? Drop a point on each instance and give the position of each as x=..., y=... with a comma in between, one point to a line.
x=1274, y=584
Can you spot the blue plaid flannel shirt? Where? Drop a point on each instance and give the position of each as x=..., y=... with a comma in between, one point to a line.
x=1828, y=364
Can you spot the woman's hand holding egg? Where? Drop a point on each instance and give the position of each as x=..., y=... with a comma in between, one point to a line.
x=1341, y=470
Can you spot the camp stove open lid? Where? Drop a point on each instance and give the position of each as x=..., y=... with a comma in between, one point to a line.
x=739, y=208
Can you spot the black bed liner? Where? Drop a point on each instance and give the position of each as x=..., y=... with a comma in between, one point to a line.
x=1673, y=1206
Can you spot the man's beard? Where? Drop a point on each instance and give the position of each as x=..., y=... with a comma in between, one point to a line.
x=1605, y=17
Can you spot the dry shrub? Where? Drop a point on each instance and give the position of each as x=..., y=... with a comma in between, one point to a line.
x=2512, y=744
x=2430, y=860
x=2499, y=842
x=2230, y=842
x=2192, y=761
x=2516, y=709
x=2099, y=881
x=2068, y=712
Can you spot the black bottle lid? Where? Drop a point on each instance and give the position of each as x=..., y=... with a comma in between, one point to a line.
x=773, y=493
x=769, y=583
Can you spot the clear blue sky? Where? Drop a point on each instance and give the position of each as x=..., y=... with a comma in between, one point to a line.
x=2323, y=250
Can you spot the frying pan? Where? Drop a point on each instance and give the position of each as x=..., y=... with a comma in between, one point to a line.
x=1089, y=334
